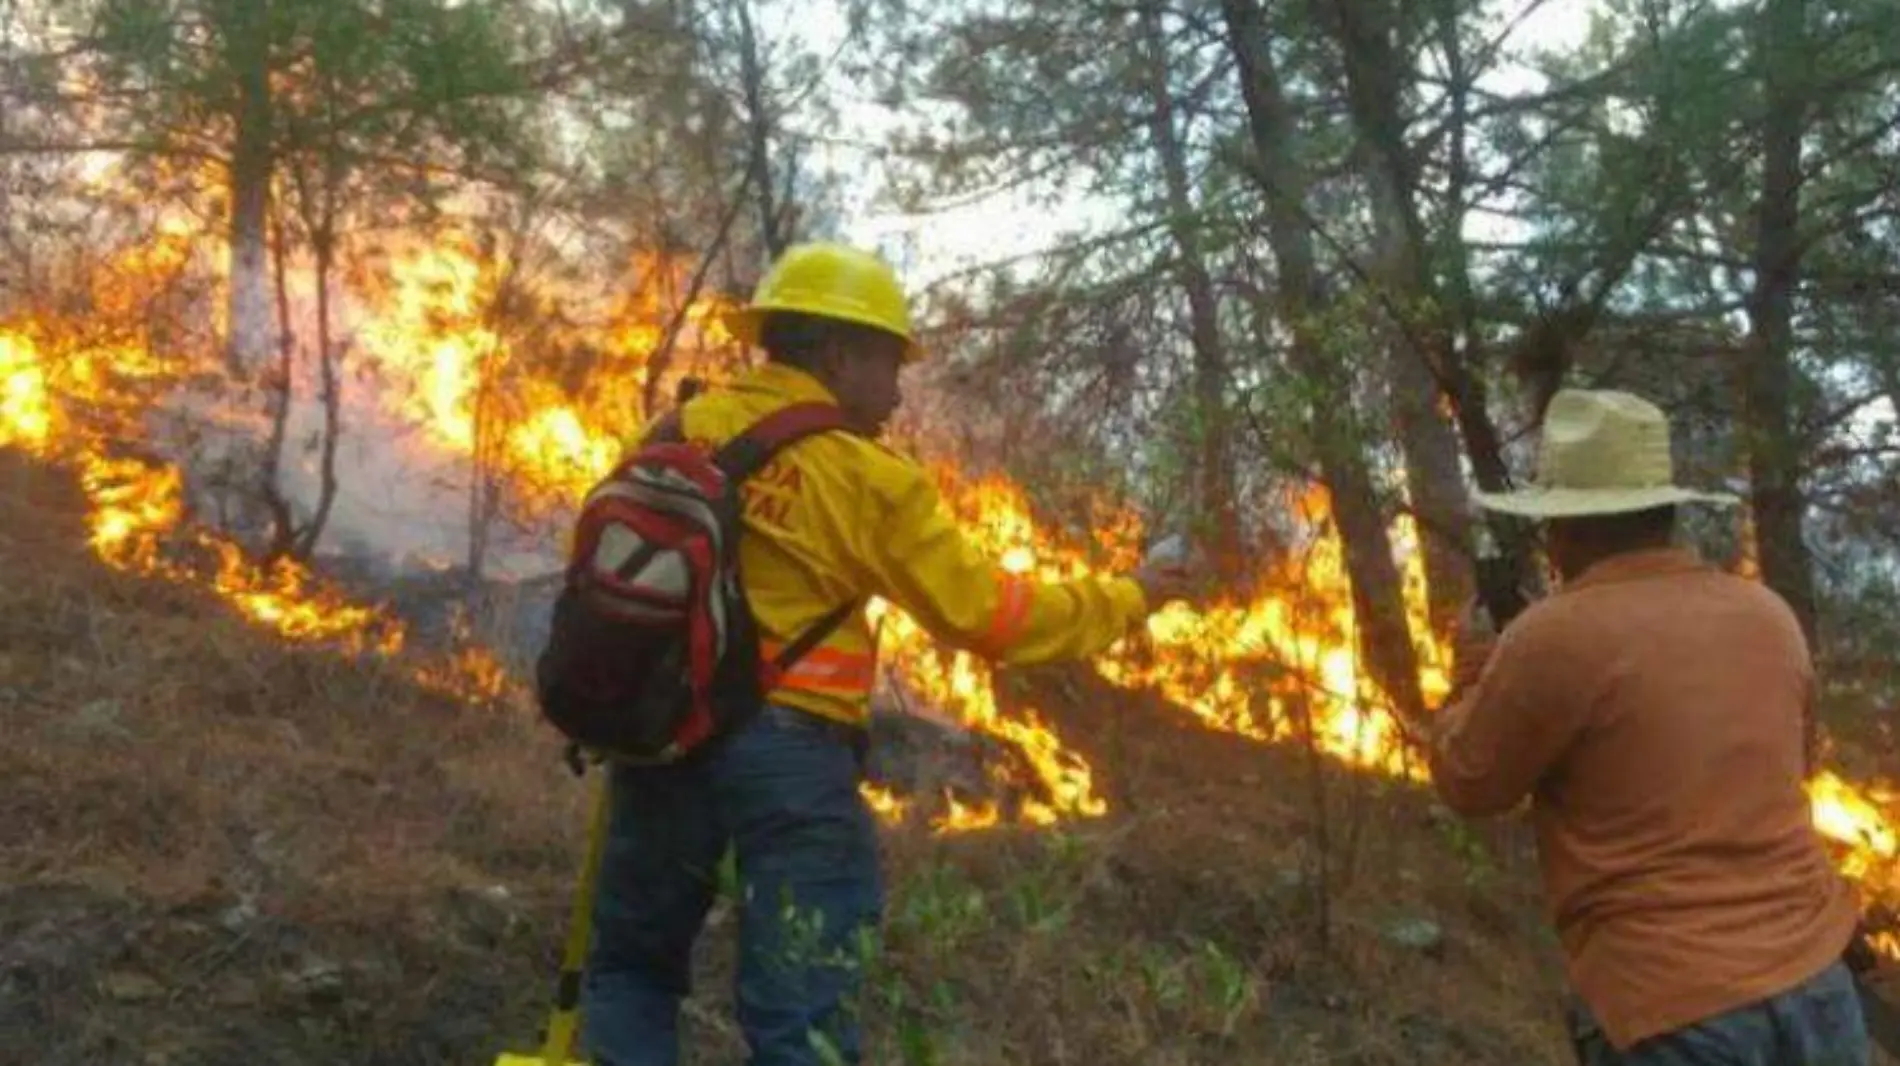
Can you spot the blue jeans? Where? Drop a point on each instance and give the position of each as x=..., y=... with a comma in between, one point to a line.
x=1815, y=1023
x=783, y=791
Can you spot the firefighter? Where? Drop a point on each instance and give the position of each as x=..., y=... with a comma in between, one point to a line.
x=1656, y=711
x=834, y=519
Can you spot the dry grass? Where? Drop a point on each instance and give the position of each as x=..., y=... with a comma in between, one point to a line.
x=221, y=841
x=1184, y=929
x=223, y=850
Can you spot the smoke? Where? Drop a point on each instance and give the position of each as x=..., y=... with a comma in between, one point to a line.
x=402, y=501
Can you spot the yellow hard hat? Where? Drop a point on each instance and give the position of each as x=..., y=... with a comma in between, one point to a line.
x=830, y=281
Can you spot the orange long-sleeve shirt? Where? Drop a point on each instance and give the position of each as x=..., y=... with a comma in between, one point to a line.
x=838, y=517
x=1655, y=710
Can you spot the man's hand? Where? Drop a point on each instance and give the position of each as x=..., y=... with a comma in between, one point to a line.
x=1170, y=572
x=1164, y=580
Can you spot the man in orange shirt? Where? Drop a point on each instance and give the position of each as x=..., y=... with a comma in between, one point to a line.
x=1656, y=712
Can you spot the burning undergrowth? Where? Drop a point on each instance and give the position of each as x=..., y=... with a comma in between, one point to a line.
x=505, y=425
x=238, y=848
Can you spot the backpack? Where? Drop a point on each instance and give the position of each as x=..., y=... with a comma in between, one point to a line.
x=653, y=650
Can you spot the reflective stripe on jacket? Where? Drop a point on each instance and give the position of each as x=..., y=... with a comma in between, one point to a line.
x=838, y=517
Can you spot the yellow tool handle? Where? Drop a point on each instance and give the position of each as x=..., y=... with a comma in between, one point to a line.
x=564, y=1019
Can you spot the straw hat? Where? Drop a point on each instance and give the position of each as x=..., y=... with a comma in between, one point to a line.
x=1602, y=453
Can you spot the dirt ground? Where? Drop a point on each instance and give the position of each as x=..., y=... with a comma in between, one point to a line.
x=220, y=850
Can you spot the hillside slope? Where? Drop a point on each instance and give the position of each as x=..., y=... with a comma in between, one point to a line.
x=223, y=850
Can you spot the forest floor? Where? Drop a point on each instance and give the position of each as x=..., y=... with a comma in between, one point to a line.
x=222, y=849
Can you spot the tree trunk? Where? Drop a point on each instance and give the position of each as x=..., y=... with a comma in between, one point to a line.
x=758, y=128
x=1767, y=369
x=324, y=247
x=1214, y=483
x=481, y=484
x=1378, y=597
x=319, y=209
x=1418, y=327
x=1435, y=484
x=486, y=447
x=248, y=342
x=283, y=535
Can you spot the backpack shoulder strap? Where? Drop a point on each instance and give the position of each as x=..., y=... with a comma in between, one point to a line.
x=812, y=637
x=743, y=455
x=746, y=453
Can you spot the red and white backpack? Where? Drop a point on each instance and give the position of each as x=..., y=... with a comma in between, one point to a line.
x=653, y=650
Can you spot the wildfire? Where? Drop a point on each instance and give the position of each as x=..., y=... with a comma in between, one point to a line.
x=494, y=368
x=80, y=393
x=1286, y=660
x=1258, y=668
x=97, y=394
x=546, y=407
x=549, y=413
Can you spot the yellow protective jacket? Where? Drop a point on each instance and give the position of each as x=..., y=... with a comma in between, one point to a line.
x=838, y=517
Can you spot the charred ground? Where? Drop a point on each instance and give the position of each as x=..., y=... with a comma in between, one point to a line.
x=225, y=850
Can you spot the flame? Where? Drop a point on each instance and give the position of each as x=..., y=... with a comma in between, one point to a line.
x=96, y=394
x=1866, y=844
x=137, y=518
x=884, y=803
x=434, y=332
x=958, y=818
x=26, y=412
x=1853, y=817
x=548, y=405
x=494, y=366
x=472, y=673
x=73, y=392
x=961, y=685
x=280, y=596
x=1286, y=660
x=1259, y=668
